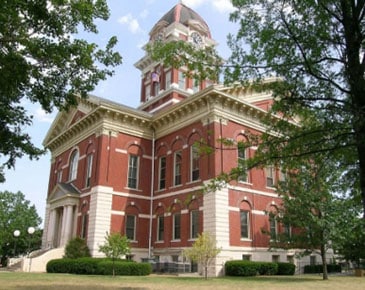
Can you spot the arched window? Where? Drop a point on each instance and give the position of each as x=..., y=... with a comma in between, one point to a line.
x=74, y=161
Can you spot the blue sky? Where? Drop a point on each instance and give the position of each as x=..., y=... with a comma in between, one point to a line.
x=131, y=22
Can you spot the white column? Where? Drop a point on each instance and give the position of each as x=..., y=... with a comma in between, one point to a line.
x=66, y=225
x=51, y=229
x=69, y=223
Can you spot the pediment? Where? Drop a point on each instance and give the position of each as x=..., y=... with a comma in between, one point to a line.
x=65, y=119
x=64, y=191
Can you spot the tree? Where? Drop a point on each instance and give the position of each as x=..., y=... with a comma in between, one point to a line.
x=312, y=209
x=43, y=61
x=115, y=247
x=316, y=50
x=16, y=213
x=77, y=248
x=203, y=251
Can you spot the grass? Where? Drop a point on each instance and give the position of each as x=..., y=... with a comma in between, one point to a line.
x=43, y=281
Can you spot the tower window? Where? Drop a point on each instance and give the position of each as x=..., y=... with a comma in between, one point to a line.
x=182, y=80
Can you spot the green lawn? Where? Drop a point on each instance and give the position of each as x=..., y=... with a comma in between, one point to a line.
x=32, y=281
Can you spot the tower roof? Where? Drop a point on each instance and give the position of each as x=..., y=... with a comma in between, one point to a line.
x=180, y=13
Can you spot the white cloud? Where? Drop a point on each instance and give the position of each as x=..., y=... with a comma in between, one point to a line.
x=131, y=22
x=41, y=116
x=144, y=14
x=194, y=3
x=223, y=6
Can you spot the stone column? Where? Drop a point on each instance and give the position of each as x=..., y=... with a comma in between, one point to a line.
x=51, y=229
x=66, y=225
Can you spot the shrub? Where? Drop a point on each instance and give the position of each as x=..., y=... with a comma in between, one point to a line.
x=97, y=266
x=267, y=268
x=286, y=269
x=123, y=268
x=76, y=248
x=59, y=266
x=331, y=268
x=241, y=268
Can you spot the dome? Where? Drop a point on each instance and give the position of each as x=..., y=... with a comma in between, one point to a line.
x=182, y=14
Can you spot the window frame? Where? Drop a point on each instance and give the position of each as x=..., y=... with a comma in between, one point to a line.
x=245, y=226
x=74, y=164
x=133, y=171
x=129, y=228
x=241, y=158
x=194, y=223
x=194, y=163
x=176, y=223
x=270, y=176
x=181, y=80
x=162, y=173
x=160, y=228
x=177, y=168
x=273, y=223
x=89, y=167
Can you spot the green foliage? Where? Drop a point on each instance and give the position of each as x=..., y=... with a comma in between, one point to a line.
x=17, y=213
x=98, y=266
x=267, y=268
x=314, y=269
x=125, y=268
x=250, y=268
x=115, y=246
x=77, y=248
x=43, y=61
x=203, y=251
x=285, y=269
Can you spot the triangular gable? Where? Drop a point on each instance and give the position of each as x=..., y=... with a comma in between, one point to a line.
x=65, y=119
x=63, y=190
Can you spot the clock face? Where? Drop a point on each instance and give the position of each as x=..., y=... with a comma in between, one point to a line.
x=197, y=39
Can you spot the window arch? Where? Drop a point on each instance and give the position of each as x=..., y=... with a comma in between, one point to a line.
x=74, y=162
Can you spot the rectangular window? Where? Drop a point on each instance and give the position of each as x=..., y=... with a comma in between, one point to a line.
x=177, y=226
x=245, y=225
x=194, y=224
x=275, y=258
x=130, y=227
x=156, y=88
x=84, y=220
x=196, y=86
x=241, y=152
x=89, y=166
x=168, y=80
x=270, y=174
x=162, y=176
x=195, y=163
x=287, y=230
x=182, y=80
x=160, y=227
x=148, y=92
x=177, y=167
x=273, y=228
x=59, y=176
x=133, y=171
x=246, y=257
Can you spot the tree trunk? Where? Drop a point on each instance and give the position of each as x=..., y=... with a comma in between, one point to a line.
x=324, y=262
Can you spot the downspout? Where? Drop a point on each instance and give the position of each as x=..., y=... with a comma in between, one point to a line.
x=151, y=194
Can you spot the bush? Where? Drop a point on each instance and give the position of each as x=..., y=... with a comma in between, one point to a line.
x=123, y=268
x=98, y=266
x=241, y=268
x=77, y=248
x=267, y=268
x=331, y=268
x=286, y=269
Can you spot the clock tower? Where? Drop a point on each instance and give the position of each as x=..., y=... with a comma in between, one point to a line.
x=162, y=87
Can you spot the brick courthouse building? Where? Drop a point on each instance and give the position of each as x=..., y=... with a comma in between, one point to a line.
x=135, y=171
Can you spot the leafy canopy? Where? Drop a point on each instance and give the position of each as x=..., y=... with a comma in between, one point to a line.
x=17, y=213
x=43, y=61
